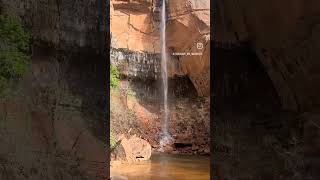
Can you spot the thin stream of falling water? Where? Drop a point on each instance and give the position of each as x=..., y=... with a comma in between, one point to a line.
x=165, y=134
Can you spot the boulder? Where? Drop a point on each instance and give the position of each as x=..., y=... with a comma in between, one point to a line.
x=132, y=149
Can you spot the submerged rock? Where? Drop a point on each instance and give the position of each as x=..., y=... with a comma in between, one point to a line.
x=132, y=149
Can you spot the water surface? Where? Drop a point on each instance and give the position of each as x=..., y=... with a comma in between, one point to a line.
x=166, y=167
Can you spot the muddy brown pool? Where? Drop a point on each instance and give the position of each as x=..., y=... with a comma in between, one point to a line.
x=165, y=167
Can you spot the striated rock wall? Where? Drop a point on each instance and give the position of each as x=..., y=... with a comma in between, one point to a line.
x=135, y=64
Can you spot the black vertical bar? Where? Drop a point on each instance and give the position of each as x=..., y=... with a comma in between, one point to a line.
x=217, y=79
x=108, y=40
x=105, y=30
x=213, y=85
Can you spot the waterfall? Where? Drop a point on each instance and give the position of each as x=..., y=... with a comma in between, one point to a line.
x=165, y=138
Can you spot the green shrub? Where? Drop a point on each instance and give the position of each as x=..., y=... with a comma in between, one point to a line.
x=14, y=46
x=114, y=77
x=113, y=141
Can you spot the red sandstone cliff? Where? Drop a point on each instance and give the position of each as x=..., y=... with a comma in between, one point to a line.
x=135, y=26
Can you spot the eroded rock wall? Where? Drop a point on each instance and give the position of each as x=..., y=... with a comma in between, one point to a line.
x=189, y=24
x=132, y=26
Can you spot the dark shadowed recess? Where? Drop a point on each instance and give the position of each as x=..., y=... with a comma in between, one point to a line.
x=243, y=82
x=252, y=134
x=150, y=90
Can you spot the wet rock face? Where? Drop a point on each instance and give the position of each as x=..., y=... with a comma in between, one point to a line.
x=135, y=64
x=62, y=24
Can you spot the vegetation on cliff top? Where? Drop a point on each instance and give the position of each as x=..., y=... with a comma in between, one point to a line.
x=14, y=59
